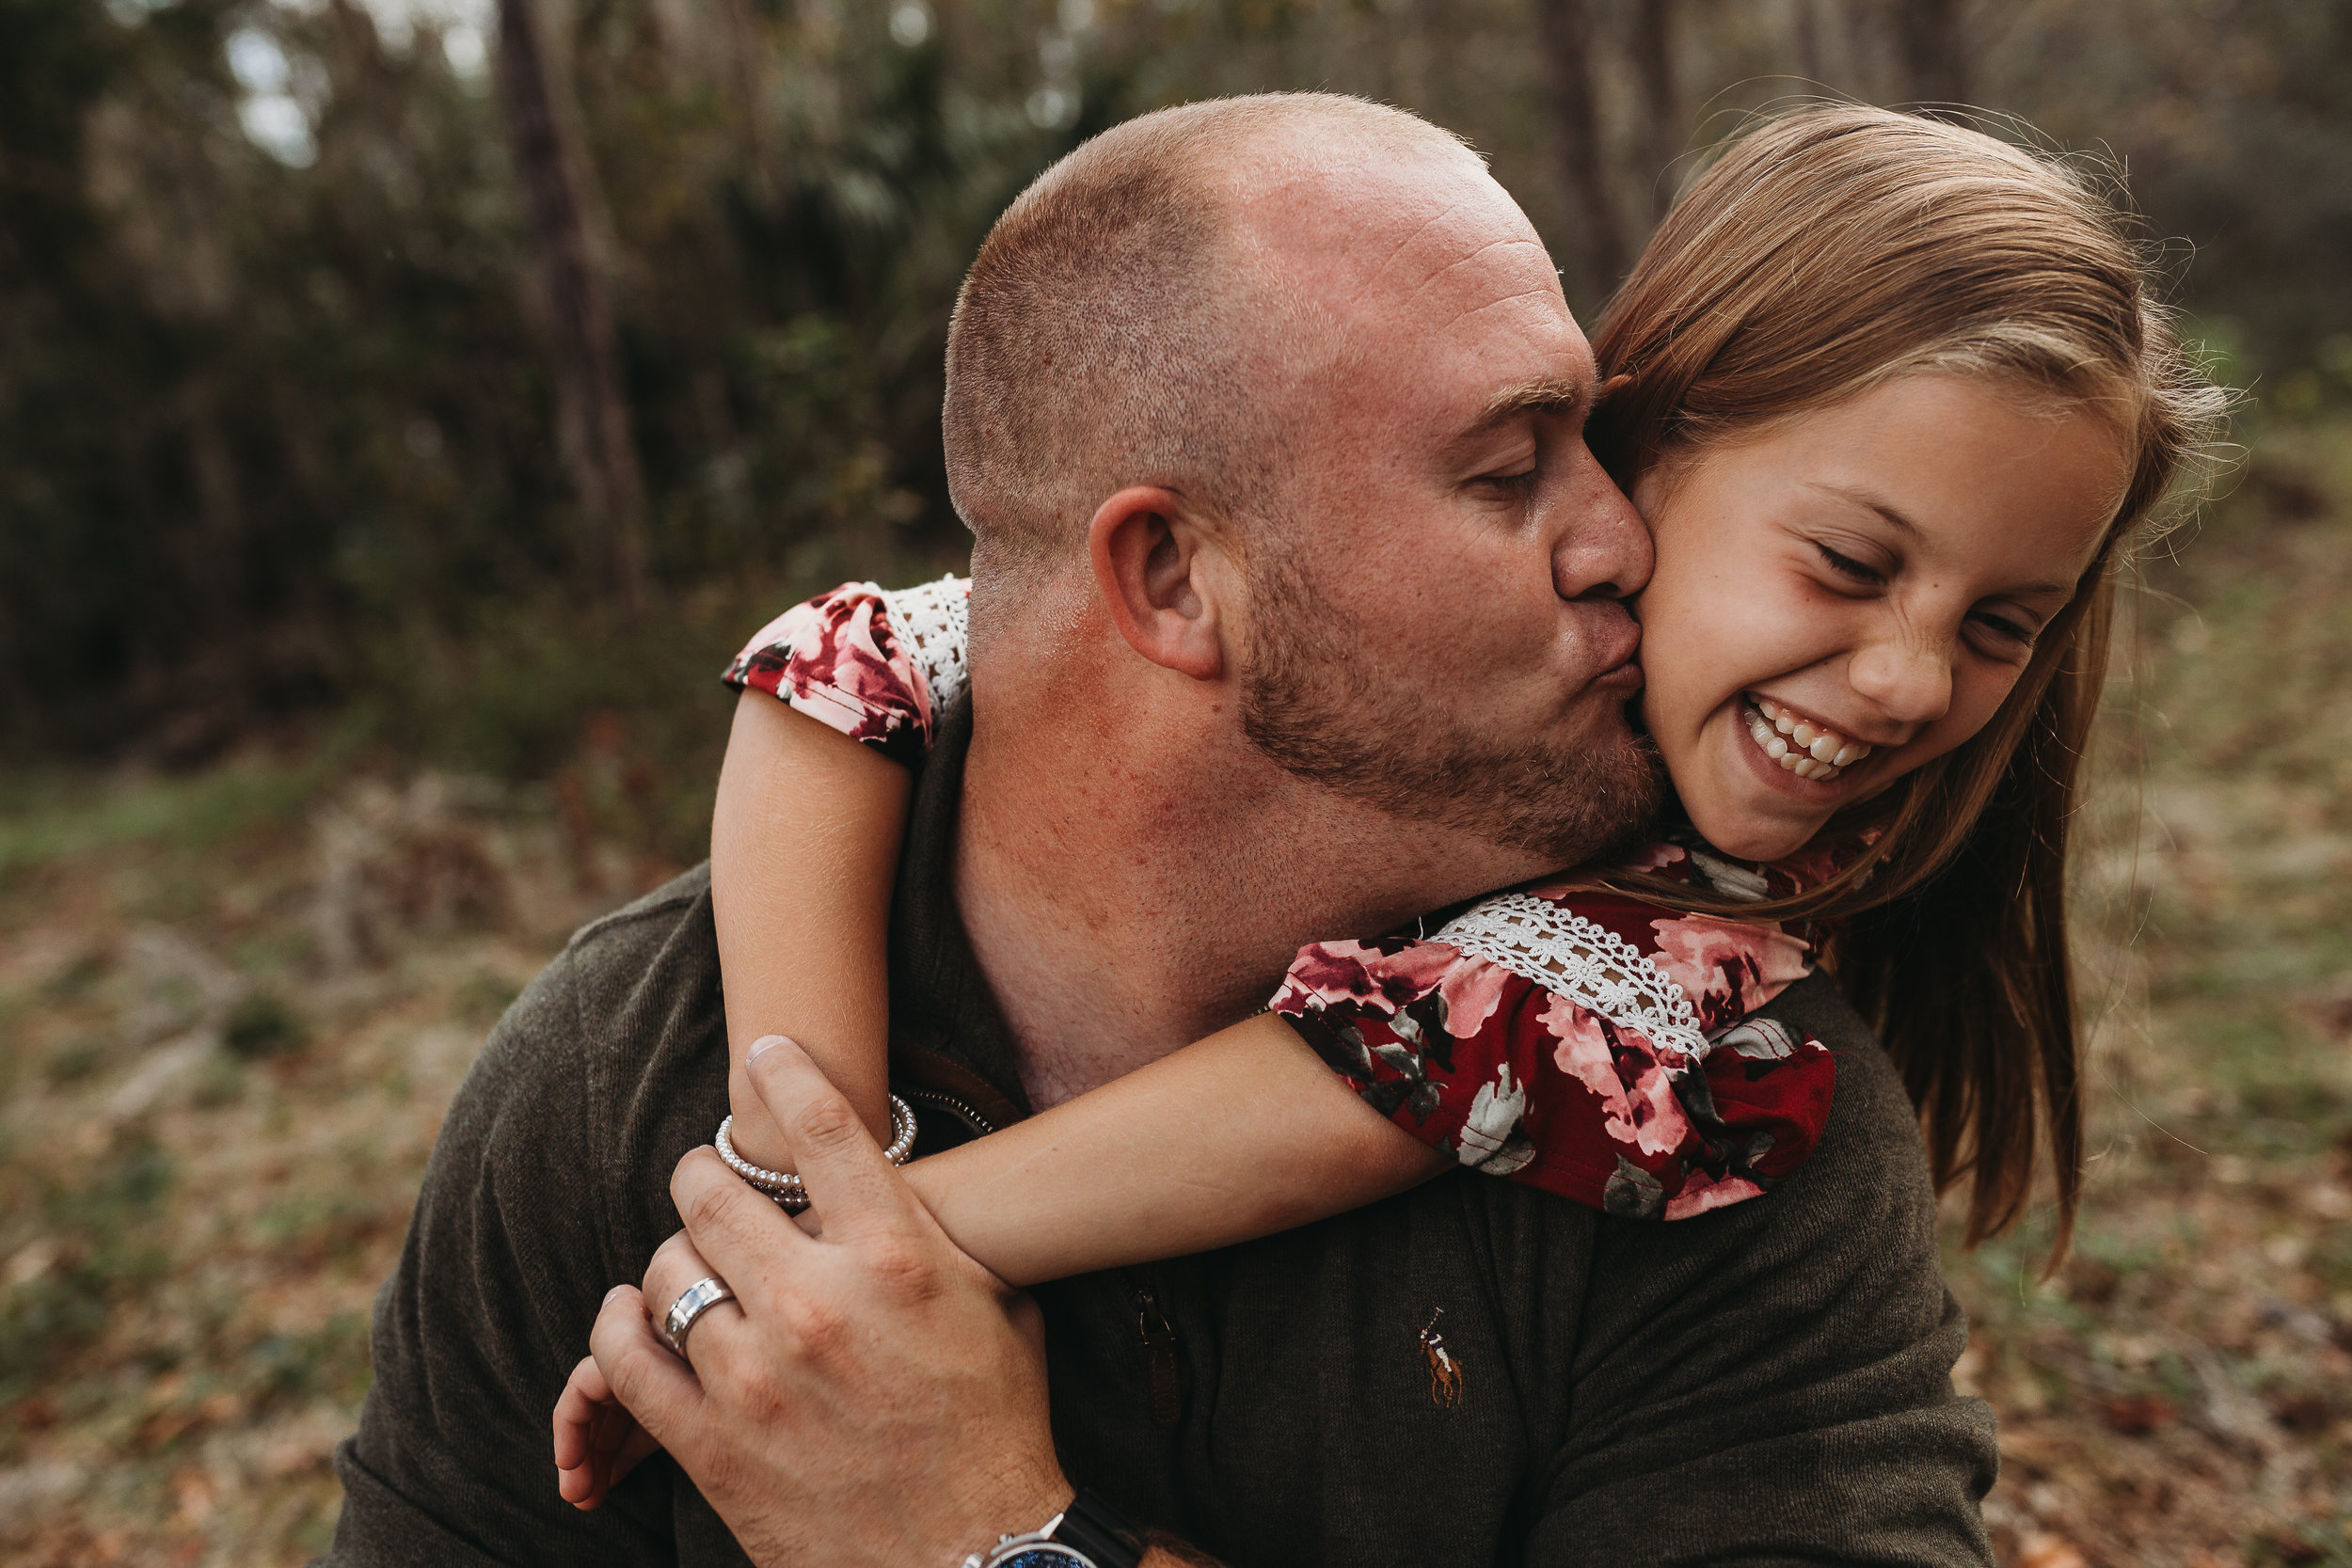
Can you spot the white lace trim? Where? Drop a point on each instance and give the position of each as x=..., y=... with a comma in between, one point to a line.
x=1589, y=964
x=934, y=626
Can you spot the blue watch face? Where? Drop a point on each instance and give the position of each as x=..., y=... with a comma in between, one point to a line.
x=1044, y=1554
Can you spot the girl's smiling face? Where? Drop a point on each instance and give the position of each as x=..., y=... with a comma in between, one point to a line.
x=1855, y=590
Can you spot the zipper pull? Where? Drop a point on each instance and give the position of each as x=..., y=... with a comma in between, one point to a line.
x=1159, y=1349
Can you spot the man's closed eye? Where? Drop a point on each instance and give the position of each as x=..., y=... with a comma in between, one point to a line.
x=1515, y=485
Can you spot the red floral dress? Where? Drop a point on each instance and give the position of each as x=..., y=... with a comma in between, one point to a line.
x=1578, y=1041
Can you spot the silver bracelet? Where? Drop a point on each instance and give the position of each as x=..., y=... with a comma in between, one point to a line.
x=787, y=1188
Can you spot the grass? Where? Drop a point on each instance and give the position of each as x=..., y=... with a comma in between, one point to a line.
x=2181, y=1391
x=211, y=1124
x=233, y=1007
x=45, y=820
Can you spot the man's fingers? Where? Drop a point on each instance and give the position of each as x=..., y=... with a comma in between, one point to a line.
x=851, y=1186
x=576, y=1413
x=578, y=1488
x=660, y=1392
x=734, y=1225
x=675, y=1264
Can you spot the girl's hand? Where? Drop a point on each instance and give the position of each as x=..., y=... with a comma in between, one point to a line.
x=596, y=1440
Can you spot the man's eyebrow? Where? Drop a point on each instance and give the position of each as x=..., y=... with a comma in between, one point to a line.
x=1904, y=525
x=1565, y=395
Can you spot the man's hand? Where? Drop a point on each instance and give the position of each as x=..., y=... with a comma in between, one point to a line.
x=871, y=1395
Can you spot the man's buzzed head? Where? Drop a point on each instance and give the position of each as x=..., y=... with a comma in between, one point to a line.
x=1117, y=329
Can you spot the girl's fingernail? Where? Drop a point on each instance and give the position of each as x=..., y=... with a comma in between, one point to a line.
x=614, y=1292
x=762, y=1045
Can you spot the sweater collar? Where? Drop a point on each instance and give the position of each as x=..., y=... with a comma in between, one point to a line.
x=947, y=1037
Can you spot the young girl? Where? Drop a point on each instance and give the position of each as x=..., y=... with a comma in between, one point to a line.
x=1893, y=398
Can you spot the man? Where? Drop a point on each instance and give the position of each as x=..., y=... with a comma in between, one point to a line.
x=1297, y=611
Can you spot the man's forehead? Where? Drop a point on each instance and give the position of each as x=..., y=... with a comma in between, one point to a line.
x=1402, y=229
x=1425, y=268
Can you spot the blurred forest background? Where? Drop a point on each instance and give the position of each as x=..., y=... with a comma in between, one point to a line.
x=406, y=406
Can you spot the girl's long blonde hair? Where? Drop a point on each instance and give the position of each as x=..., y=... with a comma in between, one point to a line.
x=1824, y=252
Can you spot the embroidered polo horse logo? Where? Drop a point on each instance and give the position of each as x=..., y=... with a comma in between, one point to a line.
x=1445, y=1373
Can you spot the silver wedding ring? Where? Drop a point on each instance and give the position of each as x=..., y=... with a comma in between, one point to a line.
x=692, y=1303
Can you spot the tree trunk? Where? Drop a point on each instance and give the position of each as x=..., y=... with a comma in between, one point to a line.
x=216, y=562
x=380, y=93
x=743, y=48
x=1932, y=48
x=593, y=418
x=1662, y=98
x=1596, y=233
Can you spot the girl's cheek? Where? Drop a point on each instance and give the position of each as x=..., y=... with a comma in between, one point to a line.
x=1650, y=705
x=1663, y=702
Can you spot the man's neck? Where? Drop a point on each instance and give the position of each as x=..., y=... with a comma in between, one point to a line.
x=1130, y=885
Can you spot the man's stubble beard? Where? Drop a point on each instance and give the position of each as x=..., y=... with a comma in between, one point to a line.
x=1403, y=751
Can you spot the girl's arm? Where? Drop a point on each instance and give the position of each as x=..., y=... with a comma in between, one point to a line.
x=803, y=849
x=838, y=696
x=1236, y=1136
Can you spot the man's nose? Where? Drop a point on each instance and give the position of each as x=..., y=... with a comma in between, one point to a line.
x=1605, y=550
x=1907, y=681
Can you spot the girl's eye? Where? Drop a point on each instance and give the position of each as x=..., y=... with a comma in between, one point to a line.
x=2014, y=632
x=1847, y=566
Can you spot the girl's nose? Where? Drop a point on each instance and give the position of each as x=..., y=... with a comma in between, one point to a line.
x=1910, y=684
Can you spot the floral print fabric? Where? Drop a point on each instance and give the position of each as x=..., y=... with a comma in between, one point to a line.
x=1498, y=1068
x=846, y=661
x=1523, y=1059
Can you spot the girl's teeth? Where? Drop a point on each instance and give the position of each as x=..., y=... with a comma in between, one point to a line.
x=1808, y=751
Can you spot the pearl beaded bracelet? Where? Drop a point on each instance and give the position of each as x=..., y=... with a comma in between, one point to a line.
x=787, y=1188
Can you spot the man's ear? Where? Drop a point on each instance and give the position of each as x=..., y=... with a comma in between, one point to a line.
x=1160, y=574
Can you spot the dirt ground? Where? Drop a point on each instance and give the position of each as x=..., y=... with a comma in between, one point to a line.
x=233, y=1007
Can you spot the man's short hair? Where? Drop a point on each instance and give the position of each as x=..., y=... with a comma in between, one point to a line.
x=1113, y=332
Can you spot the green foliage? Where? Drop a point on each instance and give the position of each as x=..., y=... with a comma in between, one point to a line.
x=66, y=1302
x=261, y=1025
x=2245, y=703
x=484, y=995
x=330, y=1362
x=279, y=430
x=75, y=1060
x=48, y=817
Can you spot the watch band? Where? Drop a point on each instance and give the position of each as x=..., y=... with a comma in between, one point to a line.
x=1089, y=1534
x=1097, y=1530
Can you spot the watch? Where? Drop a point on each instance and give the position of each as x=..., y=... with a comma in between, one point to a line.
x=1087, y=1534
